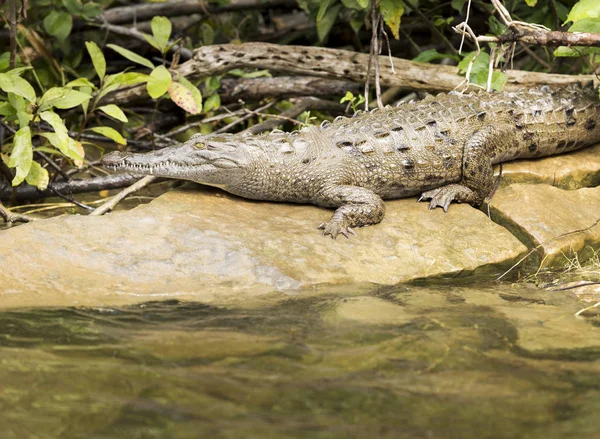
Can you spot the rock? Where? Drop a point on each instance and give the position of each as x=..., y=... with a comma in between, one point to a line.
x=567, y=171
x=561, y=222
x=201, y=244
x=369, y=310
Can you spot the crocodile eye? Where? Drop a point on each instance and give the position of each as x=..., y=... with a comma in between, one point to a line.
x=200, y=145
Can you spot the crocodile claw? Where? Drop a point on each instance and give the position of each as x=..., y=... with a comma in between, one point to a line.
x=334, y=229
x=444, y=195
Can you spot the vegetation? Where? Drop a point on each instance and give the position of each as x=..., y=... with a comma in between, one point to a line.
x=76, y=76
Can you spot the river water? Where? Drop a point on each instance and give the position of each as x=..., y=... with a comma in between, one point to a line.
x=462, y=361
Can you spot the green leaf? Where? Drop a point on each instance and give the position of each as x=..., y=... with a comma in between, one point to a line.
x=363, y=3
x=152, y=42
x=85, y=104
x=392, y=11
x=6, y=109
x=111, y=133
x=4, y=61
x=323, y=8
x=62, y=98
x=17, y=85
x=531, y=3
x=159, y=82
x=186, y=95
x=73, y=148
x=326, y=23
x=458, y=5
x=348, y=97
x=161, y=29
x=131, y=56
x=97, y=57
x=212, y=103
x=91, y=10
x=354, y=4
x=433, y=55
x=212, y=84
x=80, y=82
x=21, y=156
x=584, y=9
x=131, y=78
x=58, y=24
x=38, y=176
x=73, y=6
x=591, y=25
x=60, y=129
x=113, y=111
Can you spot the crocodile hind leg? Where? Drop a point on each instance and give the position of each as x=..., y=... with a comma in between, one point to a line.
x=356, y=207
x=477, y=174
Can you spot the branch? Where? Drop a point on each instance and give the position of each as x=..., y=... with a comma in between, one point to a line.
x=110, y=204
x=28, y=192
x=145, y=11
x=280, y=87
x=335, y=64
x=549, y=38
x=301, y=106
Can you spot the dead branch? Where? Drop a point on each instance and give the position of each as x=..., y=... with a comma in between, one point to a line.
x=252, y=89
x=550, y=38
x=27, y=192
x=11, y=217
x=335, y=64
x=110, y=204
x=145, y=11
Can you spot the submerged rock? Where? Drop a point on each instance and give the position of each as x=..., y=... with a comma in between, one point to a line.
x=202, y=244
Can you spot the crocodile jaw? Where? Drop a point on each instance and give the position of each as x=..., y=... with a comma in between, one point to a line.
x=184, y=162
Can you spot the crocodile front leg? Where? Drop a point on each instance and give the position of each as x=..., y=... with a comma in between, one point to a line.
x=477, y=173
x=356, y=207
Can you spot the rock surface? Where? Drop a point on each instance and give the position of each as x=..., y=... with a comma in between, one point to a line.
x=202, y=244
x=567, y=171
x=561, y=222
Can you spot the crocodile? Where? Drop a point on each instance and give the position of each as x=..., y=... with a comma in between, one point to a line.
x=442, y=147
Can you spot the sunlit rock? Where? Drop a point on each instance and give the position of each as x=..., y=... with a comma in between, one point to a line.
x=561, y=223
x=202, y=244
x=568, y=171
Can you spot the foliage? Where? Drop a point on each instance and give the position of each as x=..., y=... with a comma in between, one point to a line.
x=585, y=17
x=28, y=110
x=56, y=93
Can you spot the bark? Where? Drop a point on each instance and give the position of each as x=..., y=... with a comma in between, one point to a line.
x=336, y=64
x=27, y=192
x=145, y=11
x=551, y=38
x=252, y=89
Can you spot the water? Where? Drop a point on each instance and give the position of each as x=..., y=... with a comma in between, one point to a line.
x=488, y=361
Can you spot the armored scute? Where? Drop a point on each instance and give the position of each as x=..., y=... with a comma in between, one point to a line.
x=442, y=147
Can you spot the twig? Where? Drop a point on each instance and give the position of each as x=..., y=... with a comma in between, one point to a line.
x=376, y=23
x=145, y=11
x=431, y=26
x=134, y=33
x=11, y=217
x=303, y=104
x=110, y=204
x=69, y=199
x=28, y=192
x=248, y=115
x=12, y=21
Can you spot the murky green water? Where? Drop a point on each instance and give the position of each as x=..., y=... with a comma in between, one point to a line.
x=496, y=361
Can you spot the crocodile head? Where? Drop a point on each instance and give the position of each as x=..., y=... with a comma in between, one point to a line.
x=212, y=160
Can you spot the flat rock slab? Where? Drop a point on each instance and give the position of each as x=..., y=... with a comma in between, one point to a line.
x=202, y=244
x=567, y=171
x=561, y=222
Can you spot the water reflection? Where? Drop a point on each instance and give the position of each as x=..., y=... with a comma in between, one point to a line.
x=494, y=361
